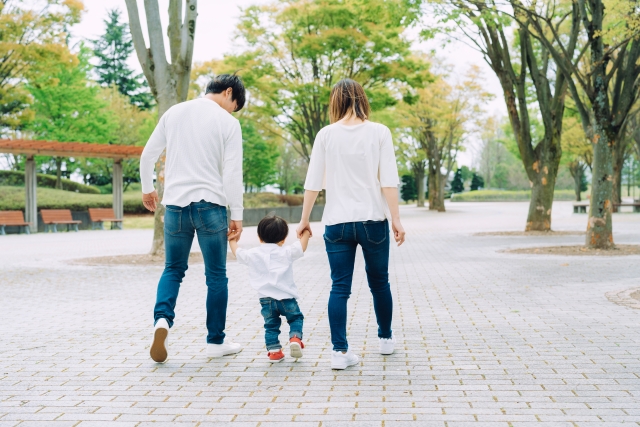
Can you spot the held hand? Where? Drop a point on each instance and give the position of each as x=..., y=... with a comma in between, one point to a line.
x=235, y=230
x=150, y=200
x=304, y=225
x=398, y=231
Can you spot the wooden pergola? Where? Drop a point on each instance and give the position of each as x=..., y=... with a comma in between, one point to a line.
x=67, y=149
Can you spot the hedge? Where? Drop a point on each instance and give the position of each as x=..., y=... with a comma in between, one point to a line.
x=507, y=196
x=16, y=178
x=12, y=198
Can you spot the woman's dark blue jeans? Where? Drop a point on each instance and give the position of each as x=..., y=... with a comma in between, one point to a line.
x=180, y=224
x=341, y=241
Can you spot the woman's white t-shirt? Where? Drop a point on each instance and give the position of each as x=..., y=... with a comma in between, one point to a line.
x=353, y=163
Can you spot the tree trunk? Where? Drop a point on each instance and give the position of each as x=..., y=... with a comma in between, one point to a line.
x=436, y=190
x=542, y=189
x=419, y=175
x=577, y=171
x=59, y=173
x=617, y=158
x=599, y=226
x=169, y=82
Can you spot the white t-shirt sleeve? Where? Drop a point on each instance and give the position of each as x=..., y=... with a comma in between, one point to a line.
x=232, y=171
x=295, y=251
x=242, y=256
x=155, y=146
x=387, y=169
x=317, y=166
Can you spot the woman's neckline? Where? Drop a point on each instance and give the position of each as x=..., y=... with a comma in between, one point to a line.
x=352, y=126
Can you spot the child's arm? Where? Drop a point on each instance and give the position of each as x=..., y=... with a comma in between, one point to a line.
x=304, y=240
x=233, y=243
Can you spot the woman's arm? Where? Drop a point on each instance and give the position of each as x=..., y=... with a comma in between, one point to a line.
x=391, y=195
x=309, y=199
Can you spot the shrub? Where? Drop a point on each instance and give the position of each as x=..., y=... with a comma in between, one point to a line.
x=291, y=199
x=12, y=198
x=16, y=178
x=271, y=200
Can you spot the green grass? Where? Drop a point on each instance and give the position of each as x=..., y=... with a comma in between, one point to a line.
x=12, y=198
x=144, y=222
x=507, y=196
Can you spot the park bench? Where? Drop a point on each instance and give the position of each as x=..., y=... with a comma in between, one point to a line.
x=580, y=207
x=13, y=218
x=634, y=204
x=99, y=215
x=52, y=217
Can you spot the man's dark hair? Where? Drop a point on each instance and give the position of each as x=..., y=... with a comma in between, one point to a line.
x=273, y=229
x=222, y=82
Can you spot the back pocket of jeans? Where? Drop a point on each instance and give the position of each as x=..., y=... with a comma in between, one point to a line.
x=214, y=218
x=172, y=220
x=266, y=307
x=290, y=305
x=333, y=233
x=377, y=231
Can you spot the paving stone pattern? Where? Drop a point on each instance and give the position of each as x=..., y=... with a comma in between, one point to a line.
x=484, y=338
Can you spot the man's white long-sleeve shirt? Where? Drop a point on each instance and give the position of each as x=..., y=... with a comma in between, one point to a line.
x=204, y=156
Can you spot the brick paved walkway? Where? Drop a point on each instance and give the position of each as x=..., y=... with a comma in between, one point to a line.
x=485, y=338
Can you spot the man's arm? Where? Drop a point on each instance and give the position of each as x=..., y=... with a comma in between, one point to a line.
x=152, y=150
x=232, y=179
x=304, y=239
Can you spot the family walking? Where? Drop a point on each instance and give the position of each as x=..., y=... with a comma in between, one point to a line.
x=352, y=158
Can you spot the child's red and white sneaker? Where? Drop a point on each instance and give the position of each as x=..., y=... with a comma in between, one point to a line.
x=295, y=347
x=276, y=356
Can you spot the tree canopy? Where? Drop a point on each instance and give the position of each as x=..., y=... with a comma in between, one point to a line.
x=112, y=50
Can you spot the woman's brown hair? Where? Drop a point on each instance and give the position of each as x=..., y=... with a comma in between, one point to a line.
x=348, y=98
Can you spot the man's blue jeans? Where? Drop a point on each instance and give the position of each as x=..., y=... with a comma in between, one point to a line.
x=272, y=309
x=341, y=241
x=180, y=224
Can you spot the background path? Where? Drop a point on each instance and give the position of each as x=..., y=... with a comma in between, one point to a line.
x=484, y=338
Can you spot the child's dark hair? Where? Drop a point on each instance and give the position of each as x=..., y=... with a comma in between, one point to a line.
x=273, y=229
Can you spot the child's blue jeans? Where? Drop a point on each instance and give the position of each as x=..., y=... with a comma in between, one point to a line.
x=272, y=309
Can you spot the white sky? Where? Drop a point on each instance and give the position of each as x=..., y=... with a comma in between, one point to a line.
x=216, y=24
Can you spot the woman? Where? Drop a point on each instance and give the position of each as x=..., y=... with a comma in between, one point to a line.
x=353, y=159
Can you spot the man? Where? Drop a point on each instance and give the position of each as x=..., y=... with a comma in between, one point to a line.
x=203, y=174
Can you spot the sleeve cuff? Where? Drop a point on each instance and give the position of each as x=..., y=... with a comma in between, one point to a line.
x=236, y=214
x=148, y=188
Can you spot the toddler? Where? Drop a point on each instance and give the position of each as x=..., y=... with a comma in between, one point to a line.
x=271, y=275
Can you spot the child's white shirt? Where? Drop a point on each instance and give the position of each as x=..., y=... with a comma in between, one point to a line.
x=271, y=269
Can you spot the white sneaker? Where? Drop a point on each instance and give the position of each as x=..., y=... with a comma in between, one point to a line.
x=340, y=360
x=224, y=349
x=160, y=346
x=387, y=345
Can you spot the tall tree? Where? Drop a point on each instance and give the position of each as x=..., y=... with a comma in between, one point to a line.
x=260, y=157
x=297, y=50
x=131, y=126
x=32, y=38
x=578, y=153
x=439, y=120
x=604, y=84
x=523, y=68
x=68, y=109
x=411, y=157
x=113, y=50
x=168, y=81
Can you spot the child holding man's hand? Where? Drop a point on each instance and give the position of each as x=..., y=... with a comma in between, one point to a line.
x=271, y=274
